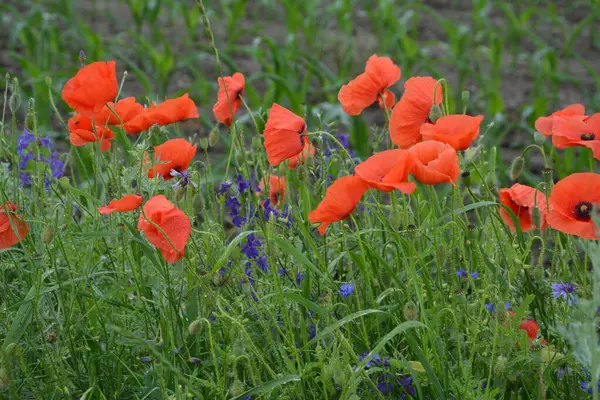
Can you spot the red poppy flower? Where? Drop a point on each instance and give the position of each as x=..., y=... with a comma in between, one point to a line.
x=126, y=109
x=386, y=100
x=276, y=189
x=380, y=73
x=174, y=154
x=229, y=97
x=435, y=162
x=125, y=204
x=531, y=327
x=575, y=112
x=81, y=132
x=413, y=110
x=308, y=151
x=91, y=88
x=172, y=222
x=458, y=130
x=282, y=135
x=571, y=133
x=571, y=203
x=12, y=227
x=388, y=170
x=521, y=200
x=340, y=200
x=166, y=113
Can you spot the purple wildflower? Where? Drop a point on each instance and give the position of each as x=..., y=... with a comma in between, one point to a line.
x=346, y=289
x=564, y=290
x=243, y=185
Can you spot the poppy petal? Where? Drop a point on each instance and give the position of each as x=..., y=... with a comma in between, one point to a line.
x=458, y=130
x=228, y=98
x=91, y=88
x=388, y=170
x=340, y=200
x=282, y=138
x=413, y=109
x=435, y=162
x=125, y=204
x=174, y=154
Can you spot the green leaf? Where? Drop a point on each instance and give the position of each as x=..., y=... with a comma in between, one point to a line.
x=269, y=386
x=343, y=322
x=291, y=250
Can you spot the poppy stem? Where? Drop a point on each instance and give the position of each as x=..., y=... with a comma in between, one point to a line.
x=329, y=135
x=541, y=151
x=249, y=113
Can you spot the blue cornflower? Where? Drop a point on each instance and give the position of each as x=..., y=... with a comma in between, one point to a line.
x=474, y=275
x=491, y=307
x=233, y=203
x=269, y=210
x=299, y=278
x=461, y=273
x=281, y=271
x=346, y=289
x=224, y=187
x=184, y=178
x=564, y=290
x=238, y=221
x=56, y=166
x=385, y=388
x=243, y=185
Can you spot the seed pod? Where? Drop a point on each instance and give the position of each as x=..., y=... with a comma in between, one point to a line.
x=204, y=143
x=517, y=167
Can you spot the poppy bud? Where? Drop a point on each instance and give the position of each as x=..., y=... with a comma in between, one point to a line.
x=501, y=315
x=301, y=174
x=441, y=255
x=49, y=80
x=500, y=366
x=236, y=388
x=204, y=143
x=538, y=138
x=517, y=167
x=194, y=327
x=4, y=377
x=213, y=137
x=465, y=96
x=82, y=58
x=538, y=273
x=15, y=97
x=435, y=113
x=179, y=193
x=48, y=234
x=198, y=203
x=411, y=311
x=30, y=121
x=536, y=217
x=466, y=178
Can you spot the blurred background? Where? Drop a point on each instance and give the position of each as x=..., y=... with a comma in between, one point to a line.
x=518, y=59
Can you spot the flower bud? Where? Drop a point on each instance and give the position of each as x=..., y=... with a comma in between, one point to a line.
x=30, y=121
x=536, y=217
x=4, y=377
x=236, y=388
x=548, y=175
x=435, y=113
x=517, y=167
x=14, y=102
x=48, y=234
x=538, y=138
x=465, y=96
x=500, y=366
x=194, y=327
x=51, y=337
x=179, y=193
x=198, y=203
x=213, y=137
x=411, y=311
x=204, y=143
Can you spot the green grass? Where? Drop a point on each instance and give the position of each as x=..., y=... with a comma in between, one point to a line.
x=90, y=310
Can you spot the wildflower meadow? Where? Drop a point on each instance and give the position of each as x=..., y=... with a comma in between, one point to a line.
x=300, y=200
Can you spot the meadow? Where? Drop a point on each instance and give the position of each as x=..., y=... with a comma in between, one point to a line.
x=319, y=199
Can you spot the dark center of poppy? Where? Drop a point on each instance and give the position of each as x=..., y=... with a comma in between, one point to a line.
x=588, y=136
x=583, y=210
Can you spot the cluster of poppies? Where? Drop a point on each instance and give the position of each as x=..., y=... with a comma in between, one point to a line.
x=427, y=136
x=570, y=206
